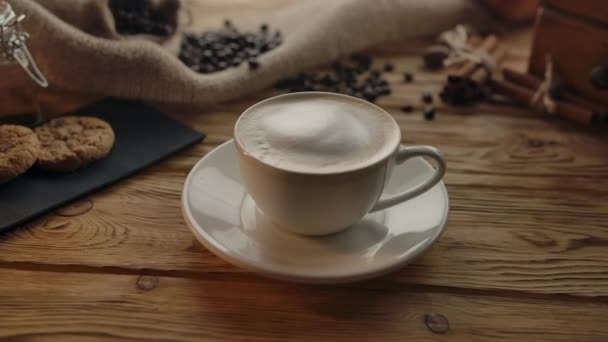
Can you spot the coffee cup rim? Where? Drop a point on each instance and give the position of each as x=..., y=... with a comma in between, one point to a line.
x=382, y=157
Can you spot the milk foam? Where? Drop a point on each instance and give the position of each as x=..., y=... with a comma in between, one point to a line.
x=316, y=133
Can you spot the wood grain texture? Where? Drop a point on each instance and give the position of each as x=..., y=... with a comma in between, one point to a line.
x=493, y=241
x=529, y=209
x=523, y=257
x=85, y=307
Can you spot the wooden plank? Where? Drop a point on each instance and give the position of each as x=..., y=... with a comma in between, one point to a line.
x=550, y=242
x=527, y=194
x=528, y=198
x=49, y=306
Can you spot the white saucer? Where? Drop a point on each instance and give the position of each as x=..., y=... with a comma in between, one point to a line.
x=223, y=217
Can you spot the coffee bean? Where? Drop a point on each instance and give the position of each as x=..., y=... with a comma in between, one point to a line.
x=370, y=97
x=350, y=77
x=139, y=17
x=226, y=47
x=408, y=77
x=388, y=67
x=407, y=109
x=329, y=80
x=454, y=93
x=265, y=48
x=427, y=98
x=363, y=61
x=429, y=114
x=357, y=87
x=452, y=79
x=253, y=64
x=435, y=56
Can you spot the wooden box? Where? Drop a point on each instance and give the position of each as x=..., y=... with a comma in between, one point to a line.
x=575, y=33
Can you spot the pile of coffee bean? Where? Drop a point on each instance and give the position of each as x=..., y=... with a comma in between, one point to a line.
x=459, y=91
x=227, y=47
x=354, y=77
x=144, y=16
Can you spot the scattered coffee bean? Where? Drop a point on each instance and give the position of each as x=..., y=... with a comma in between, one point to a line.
x=408, y=77
x=253, y=64
x=429, y=113
x=352, y=77
x=434, y=56
x=219, y=49
x=462, y=92
x=143, y=17
x=363, y=61
x=407, y=108
x=388, y=67
x=427, y=98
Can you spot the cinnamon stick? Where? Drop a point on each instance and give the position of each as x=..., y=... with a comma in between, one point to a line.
x=533, y=82
x=523, y=95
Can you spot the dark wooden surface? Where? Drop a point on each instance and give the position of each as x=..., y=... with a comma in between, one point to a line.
x=524, y=256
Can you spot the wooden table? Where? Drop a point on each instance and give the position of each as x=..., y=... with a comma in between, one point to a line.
x=524, y=256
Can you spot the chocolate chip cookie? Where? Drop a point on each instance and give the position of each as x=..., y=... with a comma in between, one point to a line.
x=71, y=142
x=19, y=148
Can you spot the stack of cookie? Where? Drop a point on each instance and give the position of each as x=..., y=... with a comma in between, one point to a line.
x=64, y=144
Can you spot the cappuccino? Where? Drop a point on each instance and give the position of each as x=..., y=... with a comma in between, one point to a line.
x=317, y=133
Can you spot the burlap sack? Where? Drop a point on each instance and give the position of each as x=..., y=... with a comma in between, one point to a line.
x=78, y=49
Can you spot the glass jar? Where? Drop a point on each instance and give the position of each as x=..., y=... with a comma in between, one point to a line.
x=20, y=77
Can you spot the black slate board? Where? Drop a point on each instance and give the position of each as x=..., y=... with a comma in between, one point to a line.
x=143, y=136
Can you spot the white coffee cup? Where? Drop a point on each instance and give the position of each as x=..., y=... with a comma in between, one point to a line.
x=320, y=202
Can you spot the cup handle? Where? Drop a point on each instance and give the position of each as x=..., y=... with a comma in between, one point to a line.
x=404, y=153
